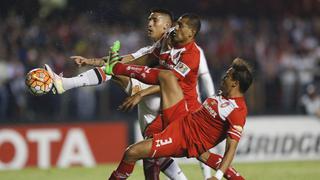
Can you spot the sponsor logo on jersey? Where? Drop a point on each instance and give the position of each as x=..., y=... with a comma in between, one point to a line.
x=182, y=68
x=209, y=109
x=225, y=104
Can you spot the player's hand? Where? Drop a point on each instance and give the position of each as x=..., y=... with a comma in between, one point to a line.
x=130, y=102
x=81, y=61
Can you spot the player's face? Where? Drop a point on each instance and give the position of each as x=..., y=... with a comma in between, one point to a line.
x=182, y=32
x=227, y=82
x=157, y=25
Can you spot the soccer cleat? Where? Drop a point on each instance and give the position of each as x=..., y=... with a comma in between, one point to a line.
x=57, y=81
x=113, y=58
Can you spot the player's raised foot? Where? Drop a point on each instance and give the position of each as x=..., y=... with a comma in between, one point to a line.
x=57, y=81
x=113, y=59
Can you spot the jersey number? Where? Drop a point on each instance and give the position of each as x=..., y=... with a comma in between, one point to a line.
x=161, y=142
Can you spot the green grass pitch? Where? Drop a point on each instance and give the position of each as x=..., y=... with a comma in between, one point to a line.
x=304, y=170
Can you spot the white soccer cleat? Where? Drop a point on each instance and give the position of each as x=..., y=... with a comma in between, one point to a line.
x=57, y=81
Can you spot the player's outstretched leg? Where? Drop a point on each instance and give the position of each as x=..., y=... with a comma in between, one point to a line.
x=171, y=92
x=132, y=154
x=91, y=77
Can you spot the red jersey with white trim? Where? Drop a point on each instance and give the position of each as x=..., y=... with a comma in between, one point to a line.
x=218, y=118
x=184, y=62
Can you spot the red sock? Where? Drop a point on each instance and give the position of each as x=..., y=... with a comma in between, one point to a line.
x=123, y=171
x=151, y=169
x=214, y=162
x=142, y=73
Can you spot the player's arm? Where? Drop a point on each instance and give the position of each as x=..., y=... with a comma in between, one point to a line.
x=98, y=62
x=133, y=100
x=146, y=60
x=205, y=77
x=143, y=56
x=231, y=147
x=82, y=61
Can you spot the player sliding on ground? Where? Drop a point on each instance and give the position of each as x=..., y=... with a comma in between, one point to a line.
x=190, y=134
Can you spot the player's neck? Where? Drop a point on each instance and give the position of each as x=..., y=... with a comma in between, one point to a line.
x=183, y=43
x=233, y=94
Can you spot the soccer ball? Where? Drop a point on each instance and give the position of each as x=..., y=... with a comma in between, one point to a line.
x=38, y=81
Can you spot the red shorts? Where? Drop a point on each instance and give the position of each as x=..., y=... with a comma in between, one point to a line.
x=171, y=141
x=154, y=127
x=168, y=115
x=175, y=112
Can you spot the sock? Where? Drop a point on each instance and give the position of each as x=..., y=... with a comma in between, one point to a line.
x=122, y=172
x=151, y=169
x=214, y=162
x=171, y=169
x=206, y=170
x=142, y=73
x=89, y=78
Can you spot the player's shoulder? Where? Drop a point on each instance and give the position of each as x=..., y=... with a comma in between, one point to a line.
x=239, y=105
x=194, y=48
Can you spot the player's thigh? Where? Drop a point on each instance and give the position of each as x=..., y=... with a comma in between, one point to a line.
x=168, y=143
x=140, y=149
x=171, y=92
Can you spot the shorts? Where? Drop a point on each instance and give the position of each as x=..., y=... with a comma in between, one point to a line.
x=154, y=127
x=171, y=141
x=177, y=111
x=168, y=115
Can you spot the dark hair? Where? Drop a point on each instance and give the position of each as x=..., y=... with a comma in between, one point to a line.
x=242, y=72
x=193, y=21
x=163, y=11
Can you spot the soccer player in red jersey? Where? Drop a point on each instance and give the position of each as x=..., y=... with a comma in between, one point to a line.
x=190, y=134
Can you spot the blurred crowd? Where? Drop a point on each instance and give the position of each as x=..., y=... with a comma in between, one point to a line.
x=284, y=52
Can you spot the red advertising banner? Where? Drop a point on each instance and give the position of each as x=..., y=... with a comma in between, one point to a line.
x=61, y=145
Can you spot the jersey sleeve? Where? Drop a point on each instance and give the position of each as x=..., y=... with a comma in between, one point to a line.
x=143, y=51
x=237, y=120
x=205, y=77
x=187, y=62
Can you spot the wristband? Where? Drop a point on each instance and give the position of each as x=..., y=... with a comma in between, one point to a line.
x=219, y=174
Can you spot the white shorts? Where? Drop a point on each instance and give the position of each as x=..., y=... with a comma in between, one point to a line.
x=149, y=107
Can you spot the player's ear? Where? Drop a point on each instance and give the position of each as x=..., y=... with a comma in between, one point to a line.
x=235, y=83
x=193, y=33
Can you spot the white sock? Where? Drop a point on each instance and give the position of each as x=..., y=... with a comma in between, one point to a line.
x=206, y=170
x=89, y=78
x=171, y=169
